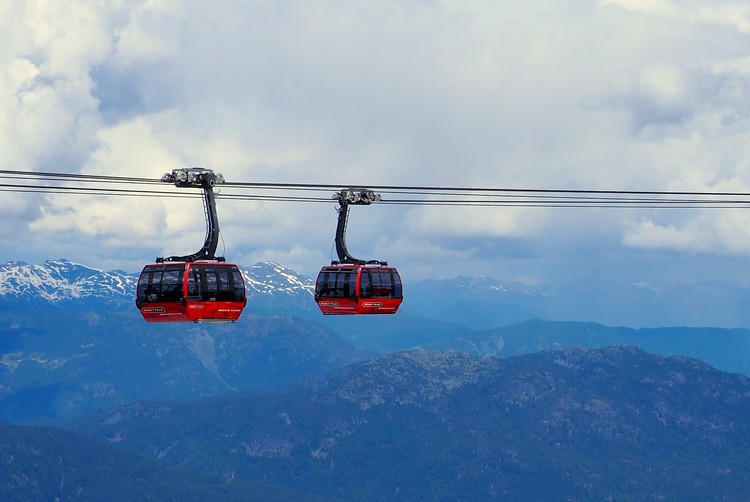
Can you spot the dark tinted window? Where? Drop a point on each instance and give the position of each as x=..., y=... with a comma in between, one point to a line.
x=215, y=283
x=398, y=289
x=238, y=293
x=382, y=285
x=160, y=283
x=365, y=284
x=336, y=283
x=386, y=283
x=211, y=291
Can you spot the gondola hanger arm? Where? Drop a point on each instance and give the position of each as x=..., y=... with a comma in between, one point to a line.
x=206, y=179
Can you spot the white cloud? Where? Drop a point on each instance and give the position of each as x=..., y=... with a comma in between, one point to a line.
x=649, y=235
x=459, y=222
x=648, y=6
x=728, y=233
x=659, y=93
x=46, y=90
x=620, y=94
x=733, y=14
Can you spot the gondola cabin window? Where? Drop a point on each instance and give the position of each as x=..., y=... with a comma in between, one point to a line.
x=337, y=283
x=380, y=283
x=212, y=283
x=161, y=284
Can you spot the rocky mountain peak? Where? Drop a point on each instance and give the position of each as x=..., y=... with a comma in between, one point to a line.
x=58, y=280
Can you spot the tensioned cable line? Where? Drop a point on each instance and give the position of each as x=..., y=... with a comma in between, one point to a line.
x=49, y=182
x=528, y=202
x=381, y=188
x=426, y=190
x=76, y=176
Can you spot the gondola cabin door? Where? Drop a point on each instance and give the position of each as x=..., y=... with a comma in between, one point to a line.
x=358, y=289
x=195, y=292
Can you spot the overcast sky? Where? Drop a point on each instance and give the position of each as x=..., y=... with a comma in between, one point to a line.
x=582, y=94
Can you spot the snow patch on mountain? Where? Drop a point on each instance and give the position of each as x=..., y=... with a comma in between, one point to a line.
x=270, y=277
x=60, y=280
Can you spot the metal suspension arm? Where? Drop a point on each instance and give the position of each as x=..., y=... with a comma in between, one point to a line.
x=346, y=198
x=341, y=251
x=206, y=179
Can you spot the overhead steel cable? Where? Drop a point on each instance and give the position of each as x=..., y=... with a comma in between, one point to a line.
x=539, y=203
x=509, y=200
x=78, y=176
x=570, y=197
x=381, y=188
x=569, y=203
x=72, y=183
x=273, y=198
x=89, y=190
x=436, y=189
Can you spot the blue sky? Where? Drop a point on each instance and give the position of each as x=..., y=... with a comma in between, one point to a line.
x=612, y=94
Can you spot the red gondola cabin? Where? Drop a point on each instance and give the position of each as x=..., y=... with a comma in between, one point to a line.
x=358, y=289
x=194, y=291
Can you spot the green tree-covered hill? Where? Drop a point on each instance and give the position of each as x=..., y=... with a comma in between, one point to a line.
x=579, y=424
x=45, y=464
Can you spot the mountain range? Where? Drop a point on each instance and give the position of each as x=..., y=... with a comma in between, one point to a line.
x=578, y=424
x=474, y=303
x=443, y=400
x=72, y=340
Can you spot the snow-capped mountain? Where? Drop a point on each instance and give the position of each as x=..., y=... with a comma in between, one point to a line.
x=473, y=302
x=270, y=277
x=60, y=280
x=470, y=286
